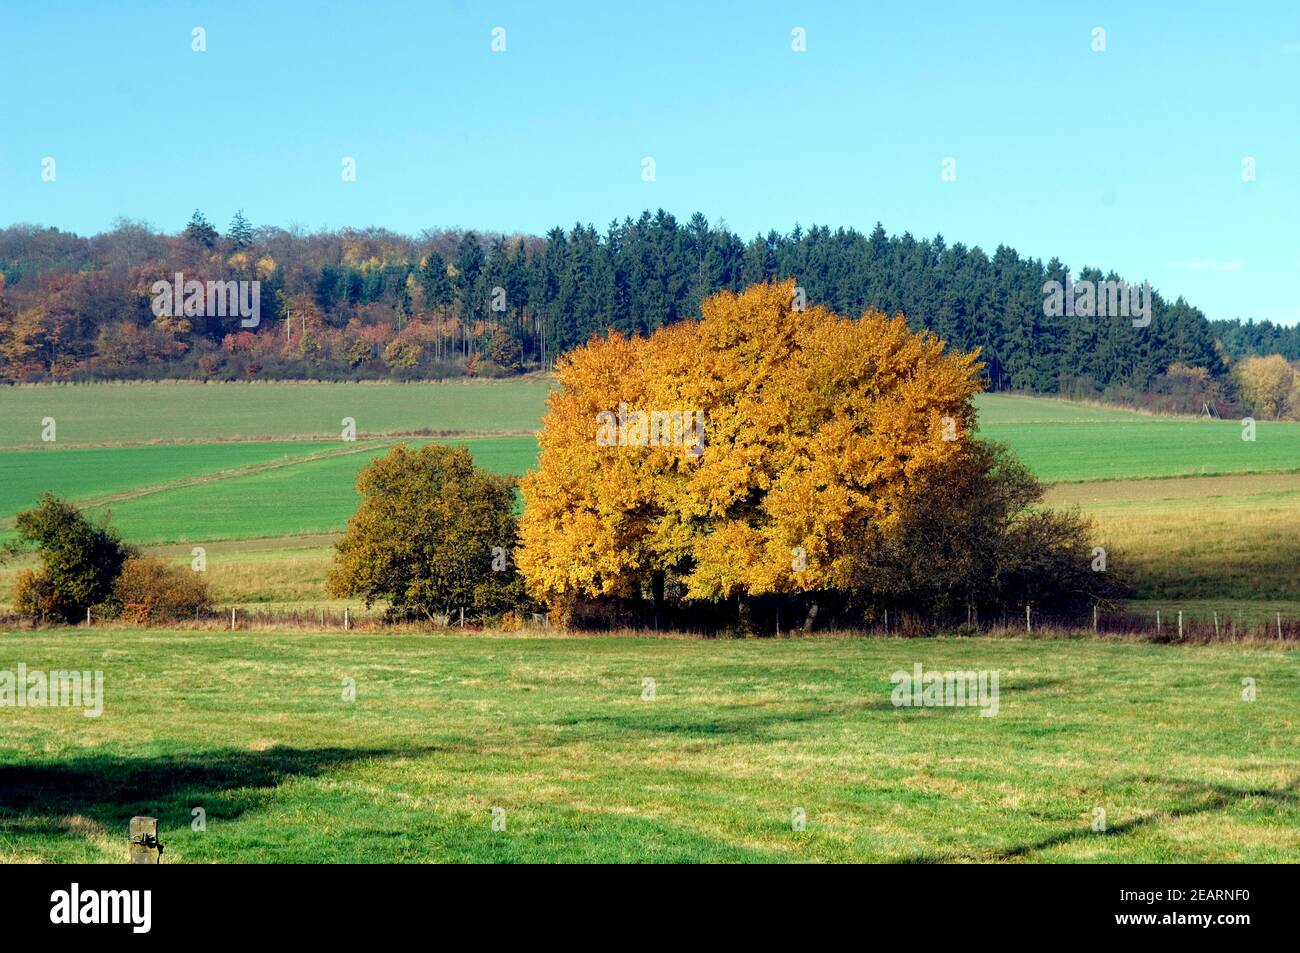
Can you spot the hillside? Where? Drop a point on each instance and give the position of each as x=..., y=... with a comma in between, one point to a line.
x=373, y=304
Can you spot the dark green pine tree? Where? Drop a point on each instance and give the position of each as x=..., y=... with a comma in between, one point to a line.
x=434, y=281
x=200, y=231
x=469, y=267
x=240, y=232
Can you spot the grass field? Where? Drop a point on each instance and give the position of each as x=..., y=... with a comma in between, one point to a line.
x=109, y=414
x=253, y=729
x=1230, y=538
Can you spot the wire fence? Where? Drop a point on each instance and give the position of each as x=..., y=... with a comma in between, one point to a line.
x=1154, y=625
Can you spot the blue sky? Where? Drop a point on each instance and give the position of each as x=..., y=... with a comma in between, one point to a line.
x=1128, y=159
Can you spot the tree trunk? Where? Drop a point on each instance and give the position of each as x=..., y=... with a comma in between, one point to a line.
x=657, y=593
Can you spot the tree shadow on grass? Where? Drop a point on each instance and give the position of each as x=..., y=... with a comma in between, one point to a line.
x=36, y=796
x=741, y=724
x=1199, y=798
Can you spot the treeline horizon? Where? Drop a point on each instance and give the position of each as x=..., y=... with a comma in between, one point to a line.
x=372, y=303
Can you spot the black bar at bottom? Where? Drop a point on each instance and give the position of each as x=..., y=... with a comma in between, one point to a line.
x=333, y=903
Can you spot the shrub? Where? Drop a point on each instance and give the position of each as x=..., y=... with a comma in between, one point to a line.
x=149, y=590
x=33, y=594
x=980, y=540
x=505, y=351
x=79, y=560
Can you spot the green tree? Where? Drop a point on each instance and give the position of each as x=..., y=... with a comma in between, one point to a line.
x=79, y=561
x=438, y=292
x=200, y=231
x=240, y=232
x=433, y=535
x=469, y=265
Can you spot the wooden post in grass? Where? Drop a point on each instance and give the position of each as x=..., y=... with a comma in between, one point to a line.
x=345, y=618
x=232, y=618
x=1216, y=626
x=462, y=617
x=88, y=617
x=1094, y=618
x=145, y=848
x=1028, y=625
x=1180, y=625
x=1279, y=626
x=1157, y=622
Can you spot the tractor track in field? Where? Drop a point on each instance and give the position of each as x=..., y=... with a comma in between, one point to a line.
x=422, y=434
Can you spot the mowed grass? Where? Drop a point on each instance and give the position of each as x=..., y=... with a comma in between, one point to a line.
x=106, y=414
x=254, y=729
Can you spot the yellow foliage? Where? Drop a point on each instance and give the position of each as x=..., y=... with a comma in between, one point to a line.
x=1266, y=384
x=817, y=430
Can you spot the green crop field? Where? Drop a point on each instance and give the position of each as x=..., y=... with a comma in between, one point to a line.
x=84, y=474
x=254, y=729
x=311, y=497
x=1147, y=447
x=106, y=414
x=1062, y=441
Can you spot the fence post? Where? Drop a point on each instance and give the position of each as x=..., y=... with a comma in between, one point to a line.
x=1216, y=626
x=145, y=848
x=232, y=618
x=1157, y=622
x=1279, y=625
x=1094, y=619
x=1028, y=625
x=462, y=617
x=345, y=618
x=1180, y=625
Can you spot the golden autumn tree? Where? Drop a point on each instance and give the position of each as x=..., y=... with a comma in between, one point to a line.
x=763, y=449
x=1266, y=385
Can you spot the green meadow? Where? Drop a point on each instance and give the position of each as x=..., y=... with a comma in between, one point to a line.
x=558, y=738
